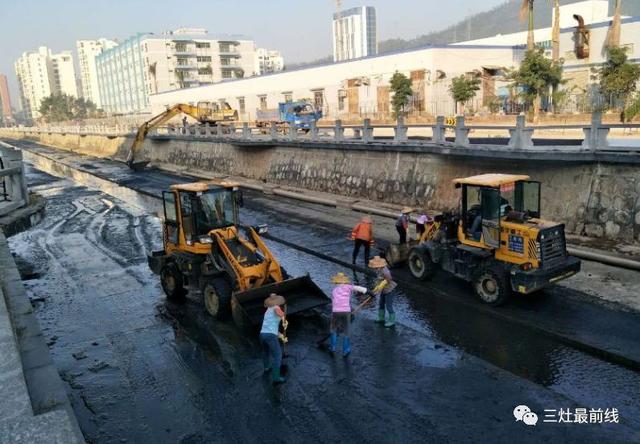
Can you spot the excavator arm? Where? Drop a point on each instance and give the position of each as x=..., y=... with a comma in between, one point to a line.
x=155, y=122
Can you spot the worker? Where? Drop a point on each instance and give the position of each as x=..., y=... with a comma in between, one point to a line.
x=271, y=350
x=341, y=312
x=362, y=236
x=402, y=224
x=421, y=223
x=385, y=303
x=184, y=125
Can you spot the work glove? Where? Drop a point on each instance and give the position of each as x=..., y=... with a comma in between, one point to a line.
x=285, y=324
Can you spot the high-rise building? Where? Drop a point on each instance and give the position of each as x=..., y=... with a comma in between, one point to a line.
x=5, y=99
x=149, y=64
x=269, y=61
x=355, y=33
x=87, y=52
x=40, y=74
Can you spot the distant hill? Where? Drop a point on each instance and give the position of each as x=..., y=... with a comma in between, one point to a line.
x=503, y=19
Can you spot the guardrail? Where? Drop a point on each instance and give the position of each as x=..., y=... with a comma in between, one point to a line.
x=13, y=186
x=445, y=132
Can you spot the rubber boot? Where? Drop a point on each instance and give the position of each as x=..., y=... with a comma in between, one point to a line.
x=276, y=378
x=392, y=321
x=346, y=346
x=380, y=319
x=333, y=342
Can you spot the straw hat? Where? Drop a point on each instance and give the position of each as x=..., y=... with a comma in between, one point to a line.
x=273, y=300
x=377, y=262
x=407, y=210
x=341, y=278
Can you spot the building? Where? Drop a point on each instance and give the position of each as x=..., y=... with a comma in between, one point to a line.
x=5, y=99
x=87, y=52
x=355, y=33
x=269, y=62
x=40, y=74
x=359, y=88
x=147, y=64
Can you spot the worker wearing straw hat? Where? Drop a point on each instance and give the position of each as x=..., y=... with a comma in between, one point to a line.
x=362, y=236
x=385, y=303
x=341, y=311
x=402, y=224
x=271, y=351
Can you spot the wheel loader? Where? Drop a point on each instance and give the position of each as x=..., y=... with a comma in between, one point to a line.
x=204, y=249
x=498, y=242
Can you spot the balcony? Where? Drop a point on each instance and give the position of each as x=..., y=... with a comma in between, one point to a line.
x=186, y=67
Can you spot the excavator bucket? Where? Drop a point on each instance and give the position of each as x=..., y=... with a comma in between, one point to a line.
x=138, y=166
x=301, y=294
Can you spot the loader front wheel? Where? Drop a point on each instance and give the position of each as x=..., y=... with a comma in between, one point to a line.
x=217, y=298
x=492, y=286
x=172, y=283
x=421, y=265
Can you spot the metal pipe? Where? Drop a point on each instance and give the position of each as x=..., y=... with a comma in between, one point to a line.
x=605, y=259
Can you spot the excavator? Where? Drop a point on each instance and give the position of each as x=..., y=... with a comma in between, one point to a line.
x=203, y=248
x=203, y=112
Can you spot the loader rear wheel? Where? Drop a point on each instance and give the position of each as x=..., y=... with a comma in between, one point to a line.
x=172, y=283
x=492, y=286
x=217, y=298
x=421, y=265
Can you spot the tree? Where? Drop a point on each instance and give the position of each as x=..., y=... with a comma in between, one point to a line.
x=61, y=107
x=526, y=13
x=463, y=89
x=618, y=77
x=535, y=76
x=401, y=88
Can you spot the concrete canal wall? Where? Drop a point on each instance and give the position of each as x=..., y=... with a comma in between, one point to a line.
x=592, y=198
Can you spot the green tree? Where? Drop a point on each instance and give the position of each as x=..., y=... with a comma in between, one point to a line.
x=535, y=76
x=62, y=107
x=463, y=89
x=618, y=77
x=401, y=88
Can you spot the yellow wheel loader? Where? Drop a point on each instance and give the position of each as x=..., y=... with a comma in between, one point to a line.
x=203, y=112
x=498, y=242
x=204, y=249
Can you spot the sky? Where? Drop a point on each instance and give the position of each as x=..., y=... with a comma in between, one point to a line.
x=300, y=29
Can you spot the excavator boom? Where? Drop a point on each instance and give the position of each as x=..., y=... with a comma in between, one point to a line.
x=204, y=112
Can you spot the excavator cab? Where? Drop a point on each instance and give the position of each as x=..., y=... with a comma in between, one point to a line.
x=204, y=248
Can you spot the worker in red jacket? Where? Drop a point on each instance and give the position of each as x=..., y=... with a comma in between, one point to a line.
x=362, y=235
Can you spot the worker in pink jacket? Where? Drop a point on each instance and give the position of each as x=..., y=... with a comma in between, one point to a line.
x=341, y=311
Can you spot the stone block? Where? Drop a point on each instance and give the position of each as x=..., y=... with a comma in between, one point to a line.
x=611, y=229
x=51, y=428
x=594, y=230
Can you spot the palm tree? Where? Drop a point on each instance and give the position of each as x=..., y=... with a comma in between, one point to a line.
x=526, y=12
x=613, y=40
x=555, y=33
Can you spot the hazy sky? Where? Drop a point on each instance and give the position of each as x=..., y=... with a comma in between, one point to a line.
x=300, y=29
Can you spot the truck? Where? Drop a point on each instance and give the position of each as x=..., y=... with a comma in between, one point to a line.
x=300, y=114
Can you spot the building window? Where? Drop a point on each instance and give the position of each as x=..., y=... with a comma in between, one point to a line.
x=342, y=100
x=204, y=71
x=241, y=105
x=227, y=74
x=263, y=102
x=181, y=47
x=288, y=97
x=318, y=98
x=203, y=45
x=204, y=58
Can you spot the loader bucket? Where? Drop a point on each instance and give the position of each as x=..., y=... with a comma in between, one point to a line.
x=396, y=254
x=300, y=293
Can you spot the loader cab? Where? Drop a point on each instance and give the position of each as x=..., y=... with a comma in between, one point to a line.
x=488, y=200
x=192, y=211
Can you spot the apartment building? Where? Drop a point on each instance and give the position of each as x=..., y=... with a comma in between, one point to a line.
x=355, y=33
x=87, y=52
x=149, y=64
x=40, y=74
x=269, y=62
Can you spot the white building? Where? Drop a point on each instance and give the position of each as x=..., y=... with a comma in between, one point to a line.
x=350, y=90
x=355, y=33
x=148, y=64
x=40, y=74
x=269, y=62
x=87, y=52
